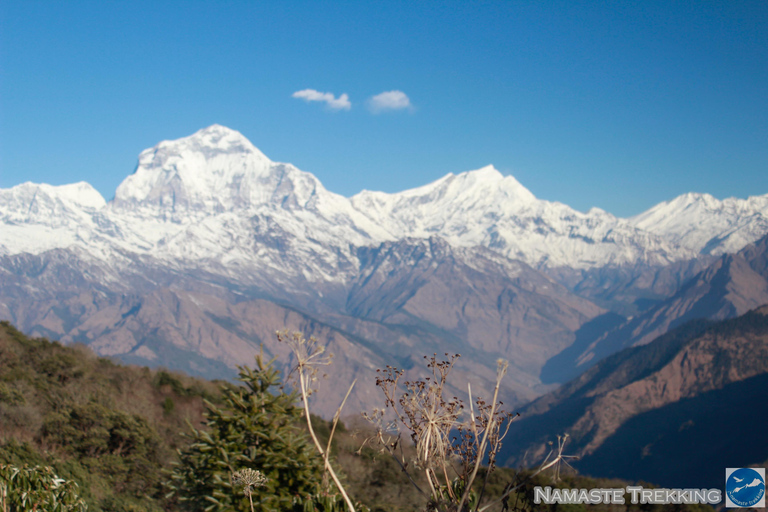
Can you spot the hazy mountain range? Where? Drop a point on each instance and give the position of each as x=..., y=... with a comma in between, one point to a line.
x=209, y=247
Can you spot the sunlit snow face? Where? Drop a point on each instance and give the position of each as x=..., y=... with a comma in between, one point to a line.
x=173, y=199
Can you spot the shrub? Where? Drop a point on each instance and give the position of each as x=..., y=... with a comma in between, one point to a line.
x=37, y=489
x=254, y=428
x=121, y=446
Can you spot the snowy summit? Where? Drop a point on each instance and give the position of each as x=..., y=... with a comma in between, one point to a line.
x=213, y=198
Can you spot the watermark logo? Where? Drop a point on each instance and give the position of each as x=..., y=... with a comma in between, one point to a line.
x=637, y=495
x=745, y=487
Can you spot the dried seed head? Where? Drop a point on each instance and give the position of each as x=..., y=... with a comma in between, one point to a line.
x=248, y=478
x=309, y=354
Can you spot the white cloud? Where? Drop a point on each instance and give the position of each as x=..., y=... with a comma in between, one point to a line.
x=334, y=103
x=390, y=100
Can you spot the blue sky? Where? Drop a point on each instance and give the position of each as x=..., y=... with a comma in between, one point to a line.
x=618, y=105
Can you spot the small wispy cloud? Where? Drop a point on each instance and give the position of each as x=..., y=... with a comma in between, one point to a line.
x=389, y=100
x=334, y=103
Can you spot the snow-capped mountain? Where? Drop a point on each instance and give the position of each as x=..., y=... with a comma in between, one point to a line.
x=210, y=201
x=213, y=203
x=212, y=171
x=706, y=224
x=36, y=218
x=209, y=246
x=485, y=208
x=218, y=171
x=206, y=195
x=212, y=195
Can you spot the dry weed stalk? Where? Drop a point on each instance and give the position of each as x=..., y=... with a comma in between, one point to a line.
x=558, y=459
x=432, y=420
x=310, y=355
x=249, y=479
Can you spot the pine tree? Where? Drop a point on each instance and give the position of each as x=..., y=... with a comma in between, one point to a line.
x=256, y=428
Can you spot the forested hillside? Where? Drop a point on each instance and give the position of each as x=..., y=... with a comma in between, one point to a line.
x=111, y=428
x=115, y=430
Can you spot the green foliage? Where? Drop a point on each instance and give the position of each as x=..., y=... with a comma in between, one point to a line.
x=110, y=428
x=173, y=381
x=168, y=405
x=11, y=395
x=321, y=501
x=163, y=378
x=255, y=427
x=121, y=446
x=37, y=488
x=113, y=429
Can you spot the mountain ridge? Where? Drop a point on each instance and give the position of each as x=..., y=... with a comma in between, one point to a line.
x=729, y=287
x=217, y=171
x=472, y=262
x=736, y=222
x=697, y=358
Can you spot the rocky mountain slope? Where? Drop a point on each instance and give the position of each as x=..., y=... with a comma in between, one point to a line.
x=208, y=247
x=673, y=412
x=731, y=286
x=413, y=297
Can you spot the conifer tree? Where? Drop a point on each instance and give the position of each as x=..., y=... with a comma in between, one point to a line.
x=256, y=428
